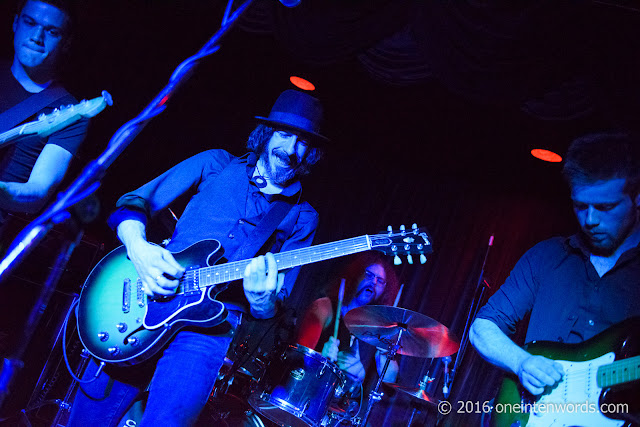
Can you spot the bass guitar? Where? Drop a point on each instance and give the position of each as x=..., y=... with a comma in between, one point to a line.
x=118, y=323
x=59, y=118
x=600, y=388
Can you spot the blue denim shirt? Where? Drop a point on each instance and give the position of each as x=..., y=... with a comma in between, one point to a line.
x=225, y=205
x=568, y=301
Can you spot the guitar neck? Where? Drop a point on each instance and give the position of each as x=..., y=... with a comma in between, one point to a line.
x=231, y=271
x=13, y=133
x=619, y=372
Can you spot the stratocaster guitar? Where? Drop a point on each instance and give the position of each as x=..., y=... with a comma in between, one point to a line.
x=118, y=323
x=59, y=118
x=604, y=370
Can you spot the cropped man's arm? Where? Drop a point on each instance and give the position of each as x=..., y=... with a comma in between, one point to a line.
x=535, y=372
x=496, y=347
x=47, y=172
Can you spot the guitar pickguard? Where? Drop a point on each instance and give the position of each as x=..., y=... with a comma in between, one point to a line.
x=574, y=401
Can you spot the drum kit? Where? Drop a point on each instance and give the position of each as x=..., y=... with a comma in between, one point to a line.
x=298, y=387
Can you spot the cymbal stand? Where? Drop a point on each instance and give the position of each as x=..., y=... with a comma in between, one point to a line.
x=375, y=395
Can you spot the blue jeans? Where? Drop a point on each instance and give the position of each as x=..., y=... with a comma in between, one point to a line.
x=182, y=381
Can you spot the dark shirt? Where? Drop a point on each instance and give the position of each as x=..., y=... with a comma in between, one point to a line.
x=18, y=158
x=568, y=301
x=225, y=205
x=348, y=342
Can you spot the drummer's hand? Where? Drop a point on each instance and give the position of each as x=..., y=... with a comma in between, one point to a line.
x=351, y=363
x=330, y=349
x=262, y=284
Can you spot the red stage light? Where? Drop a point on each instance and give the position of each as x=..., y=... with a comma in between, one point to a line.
x=546, y=155
x=301, y=83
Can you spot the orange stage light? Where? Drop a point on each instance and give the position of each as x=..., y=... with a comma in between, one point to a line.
x=546, y=155
x=301, y=83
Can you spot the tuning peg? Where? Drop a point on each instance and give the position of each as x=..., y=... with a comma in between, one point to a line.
x=390, y=229
x=414, y=226
x=402, y=229
x=409, y=259
x=423, y=259
x=397, y=260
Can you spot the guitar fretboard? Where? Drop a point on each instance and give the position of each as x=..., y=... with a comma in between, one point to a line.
x=231, y=271
x=619, y=372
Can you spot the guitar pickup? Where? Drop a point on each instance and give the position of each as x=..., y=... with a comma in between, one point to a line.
x=140, y=293
x=126, y=295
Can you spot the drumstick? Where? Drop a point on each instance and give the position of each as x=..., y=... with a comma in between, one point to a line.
x=395, y=304
x=340, y=297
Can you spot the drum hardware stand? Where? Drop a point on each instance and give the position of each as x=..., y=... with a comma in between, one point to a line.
x=375, y=395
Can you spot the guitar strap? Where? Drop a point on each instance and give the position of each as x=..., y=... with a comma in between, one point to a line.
x=30, y=106
x=265, y=228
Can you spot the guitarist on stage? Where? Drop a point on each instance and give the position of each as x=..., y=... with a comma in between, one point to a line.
x=33, y=166
x=229, y=197
x=575, y=287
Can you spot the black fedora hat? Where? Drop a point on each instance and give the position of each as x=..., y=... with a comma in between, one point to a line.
x=297, y=111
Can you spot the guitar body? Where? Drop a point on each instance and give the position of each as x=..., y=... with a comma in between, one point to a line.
x=118, y=323
x=617, y=343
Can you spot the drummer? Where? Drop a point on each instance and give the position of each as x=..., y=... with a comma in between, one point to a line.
x=369, y=279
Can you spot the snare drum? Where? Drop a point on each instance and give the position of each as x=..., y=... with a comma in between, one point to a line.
x=298, y=388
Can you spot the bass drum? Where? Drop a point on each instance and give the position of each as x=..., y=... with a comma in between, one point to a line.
x=298, y=388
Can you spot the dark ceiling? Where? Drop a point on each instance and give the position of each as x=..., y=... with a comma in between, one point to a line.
x=414, y=91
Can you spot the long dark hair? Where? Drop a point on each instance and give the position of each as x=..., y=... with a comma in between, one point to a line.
x=260, y=137
x=352, y=273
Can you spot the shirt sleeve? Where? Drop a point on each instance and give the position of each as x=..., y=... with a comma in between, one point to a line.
x=301, y=237
x=143, y=203
x=515, y=298
x=71, y=136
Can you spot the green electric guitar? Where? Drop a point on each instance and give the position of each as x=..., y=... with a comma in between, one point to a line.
x=118, y=323
x=600, y=388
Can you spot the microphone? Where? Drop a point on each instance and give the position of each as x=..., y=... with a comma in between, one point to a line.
x=290, y=3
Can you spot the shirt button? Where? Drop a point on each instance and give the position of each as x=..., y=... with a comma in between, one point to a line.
x=240, y=221
x=591, y=322
x=231, y=236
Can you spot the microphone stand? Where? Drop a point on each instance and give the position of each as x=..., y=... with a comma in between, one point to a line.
x=86, y=184
x=481, y=286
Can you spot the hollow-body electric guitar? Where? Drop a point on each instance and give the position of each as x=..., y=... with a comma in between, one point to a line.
x=118, y=323
x=58, y=119
x=600, y=373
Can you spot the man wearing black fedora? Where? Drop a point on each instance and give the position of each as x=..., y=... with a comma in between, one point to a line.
x=251, y=205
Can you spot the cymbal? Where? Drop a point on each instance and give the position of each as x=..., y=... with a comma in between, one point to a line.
x=417, y=393
x=380, y=325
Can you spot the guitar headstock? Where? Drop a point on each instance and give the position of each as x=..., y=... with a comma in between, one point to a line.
x=65, y=115
x=415, y=241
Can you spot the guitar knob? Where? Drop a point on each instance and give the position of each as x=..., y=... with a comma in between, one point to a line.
x=409, y=259
x=133, y=341
x=121, y=327
x=114, y=351
x=103, y=336
x=397, y=260
x=423, y=259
